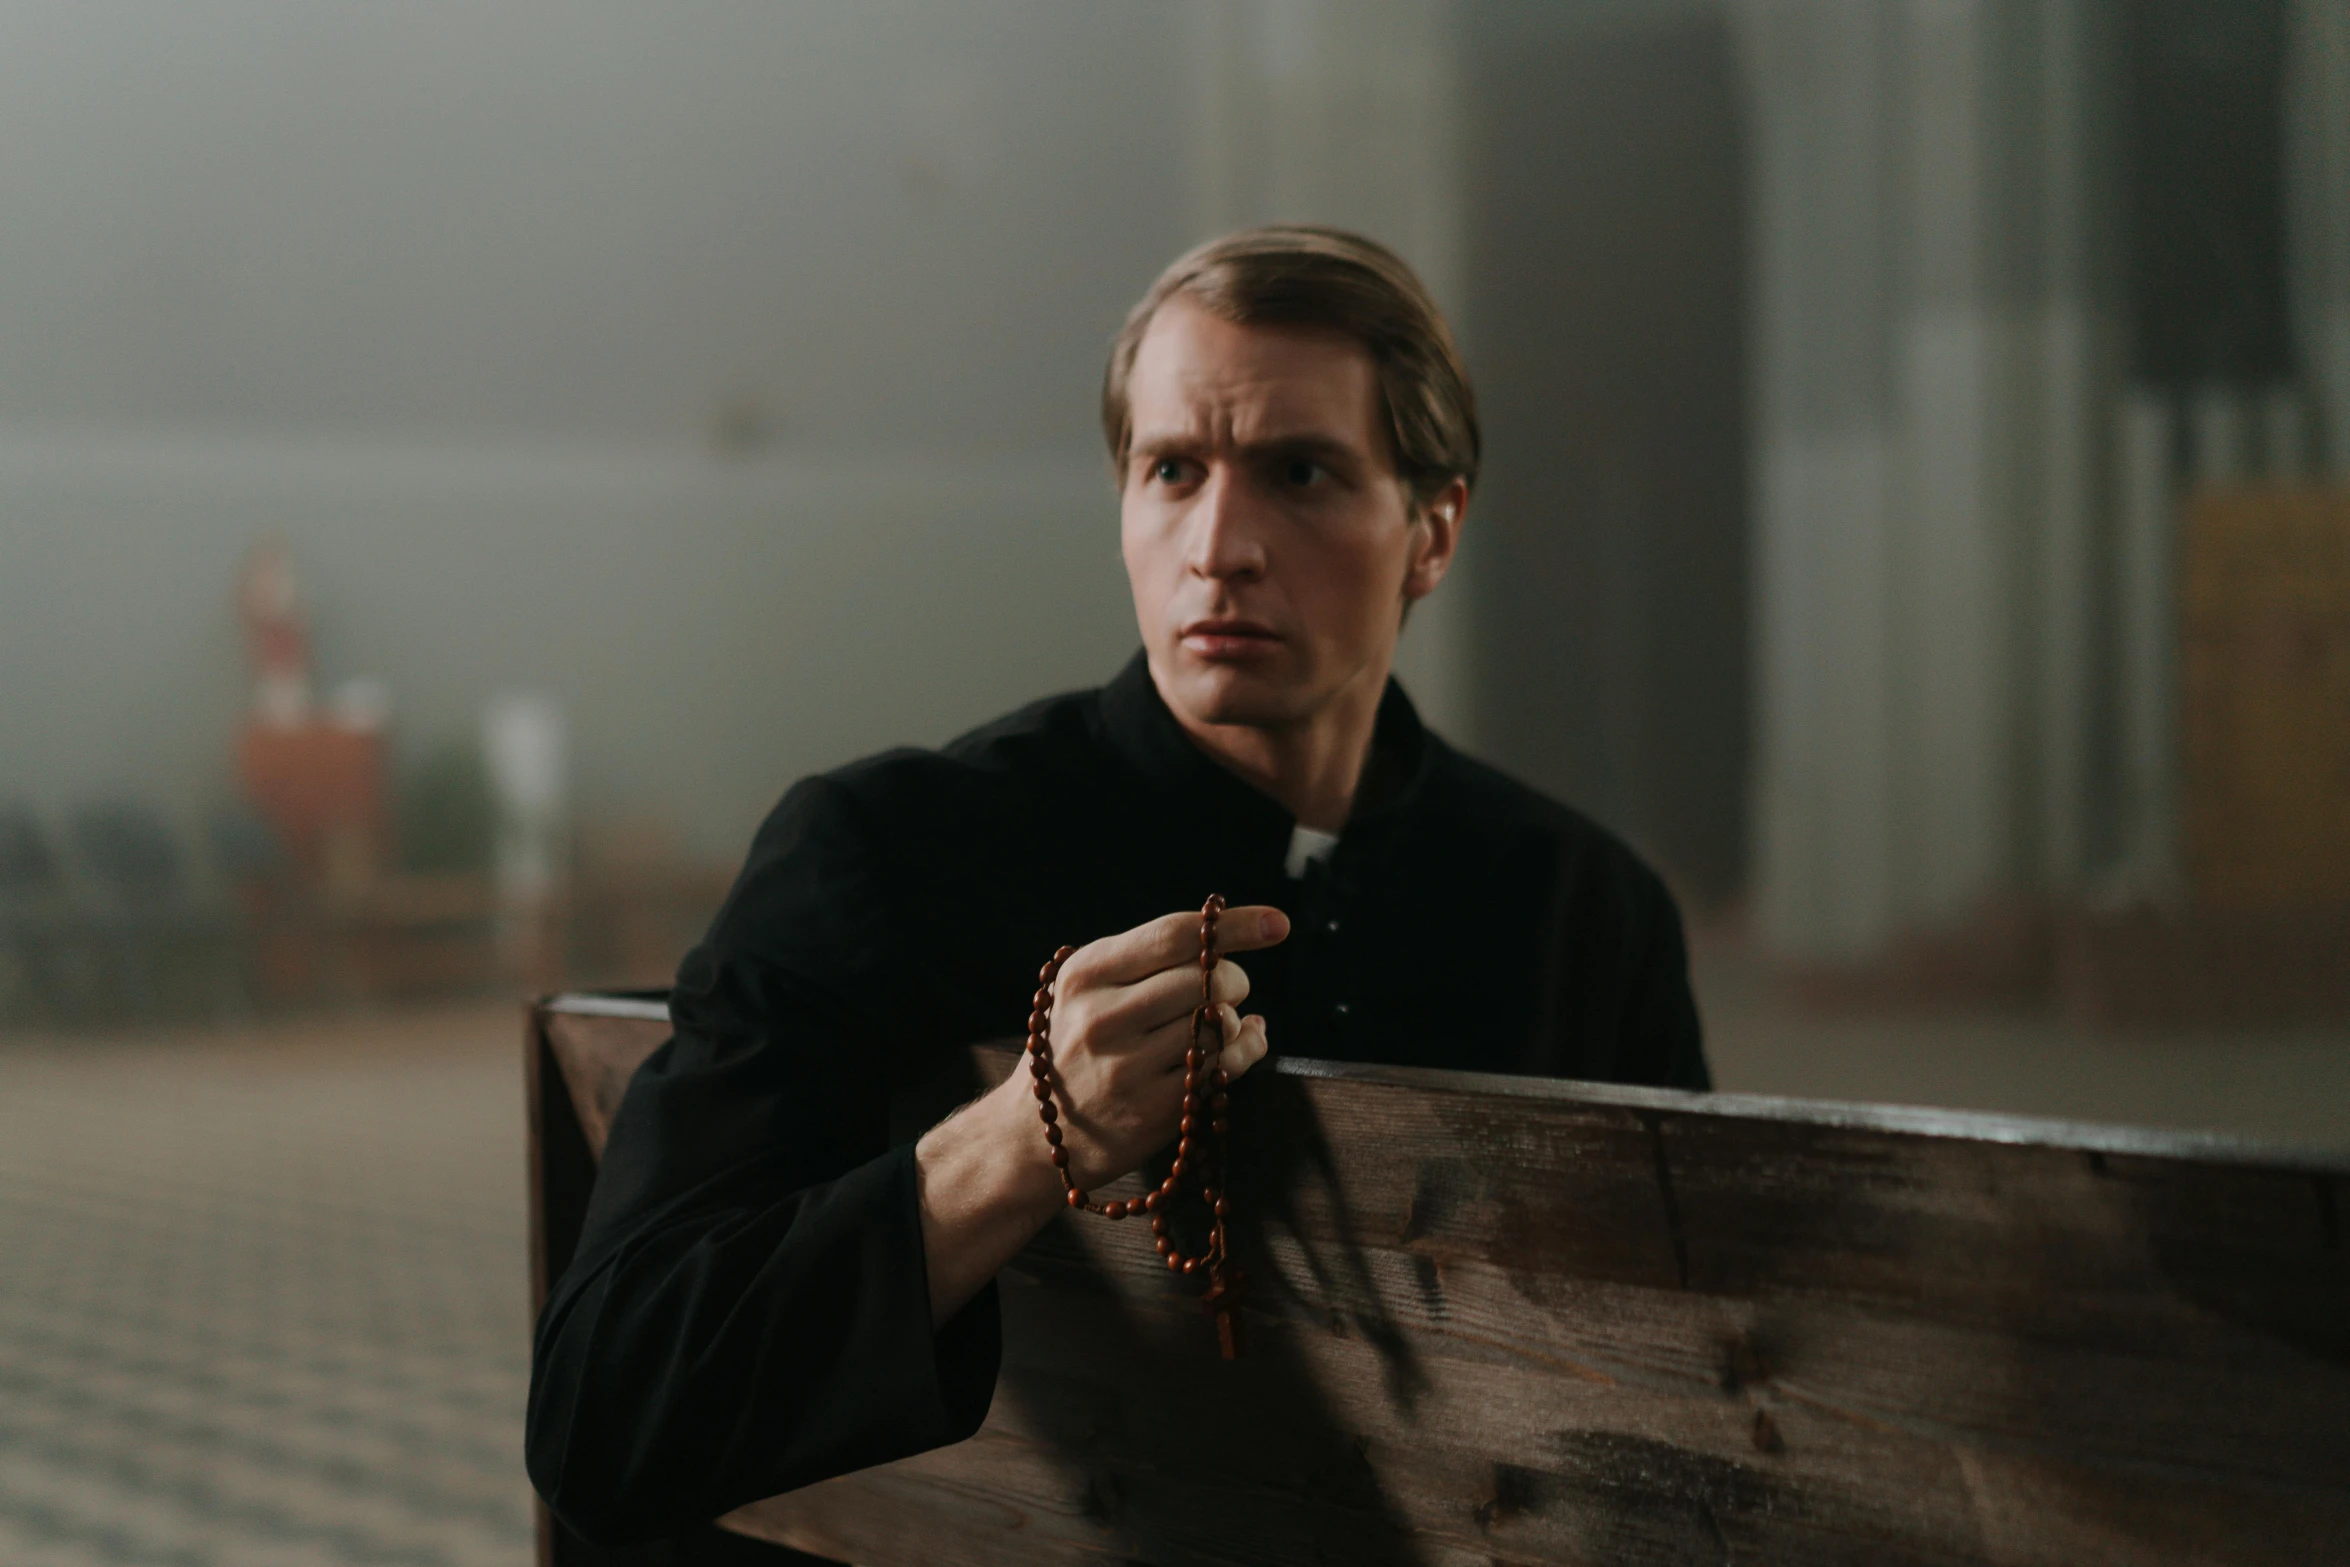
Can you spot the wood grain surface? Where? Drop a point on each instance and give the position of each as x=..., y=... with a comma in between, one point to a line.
x=1509, y=1321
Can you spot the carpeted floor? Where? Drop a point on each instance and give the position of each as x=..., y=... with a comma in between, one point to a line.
x=262, y=1297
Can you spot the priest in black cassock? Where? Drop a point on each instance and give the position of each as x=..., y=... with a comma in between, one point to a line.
x=767, y=1292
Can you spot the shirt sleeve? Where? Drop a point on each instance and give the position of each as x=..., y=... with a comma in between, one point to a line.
x=749, y=1309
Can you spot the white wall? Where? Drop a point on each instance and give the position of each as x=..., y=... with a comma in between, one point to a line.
x=888, y=224
x=713, y=631
x=463, y=300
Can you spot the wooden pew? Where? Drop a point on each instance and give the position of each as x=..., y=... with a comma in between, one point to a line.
x=1504, y=1320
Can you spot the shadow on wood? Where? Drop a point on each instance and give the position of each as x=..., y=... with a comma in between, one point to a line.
x=1516, y=1320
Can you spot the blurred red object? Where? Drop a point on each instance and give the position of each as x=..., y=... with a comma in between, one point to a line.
x=321, y=786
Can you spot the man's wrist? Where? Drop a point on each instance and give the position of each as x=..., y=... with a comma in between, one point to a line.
x=1022, y=1159
x=986, y=1186
x=978, y=1162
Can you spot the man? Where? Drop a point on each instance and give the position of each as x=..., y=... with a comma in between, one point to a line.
x=768, y=1293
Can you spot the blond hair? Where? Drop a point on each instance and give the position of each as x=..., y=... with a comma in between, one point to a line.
x=1303, y=276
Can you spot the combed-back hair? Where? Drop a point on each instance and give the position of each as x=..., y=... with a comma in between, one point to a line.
x=1296, y=275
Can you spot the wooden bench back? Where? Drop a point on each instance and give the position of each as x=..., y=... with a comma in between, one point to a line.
x=1513, y=1320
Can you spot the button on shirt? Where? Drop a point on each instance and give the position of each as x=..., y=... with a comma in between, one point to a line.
x=748, y=1309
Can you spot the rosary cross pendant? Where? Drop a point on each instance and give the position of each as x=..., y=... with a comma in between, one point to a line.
x=1222, y=1302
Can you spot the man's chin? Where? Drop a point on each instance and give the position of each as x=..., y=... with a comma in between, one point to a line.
x=1212, y=692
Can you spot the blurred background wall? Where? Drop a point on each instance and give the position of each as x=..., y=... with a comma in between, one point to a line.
x=725, y=373
x=2037, y=287
x=725, y=376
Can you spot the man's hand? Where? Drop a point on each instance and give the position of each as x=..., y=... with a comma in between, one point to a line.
x=1120, y=1027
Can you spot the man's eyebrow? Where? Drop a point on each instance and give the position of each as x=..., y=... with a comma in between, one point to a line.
x=1321, y=447
x=1163, y=442
x=1304, y=443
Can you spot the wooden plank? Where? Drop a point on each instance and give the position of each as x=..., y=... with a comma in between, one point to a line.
x=598, y=1044
x=558, y=1192
x=558, y=1180
x=1531, y=1322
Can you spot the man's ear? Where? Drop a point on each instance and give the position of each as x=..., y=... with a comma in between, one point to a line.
x=1437, y=529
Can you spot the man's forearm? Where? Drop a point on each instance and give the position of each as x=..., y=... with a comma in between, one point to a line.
x=986, y=1189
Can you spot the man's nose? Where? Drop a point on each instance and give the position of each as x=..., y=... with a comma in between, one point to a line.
x=1227, y=540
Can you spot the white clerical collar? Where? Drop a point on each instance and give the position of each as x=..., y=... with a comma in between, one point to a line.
x=1306, y=846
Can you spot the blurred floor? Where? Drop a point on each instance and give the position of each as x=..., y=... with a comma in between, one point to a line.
x=263, y=1296
x=2288, y=1084
x=262, y=1291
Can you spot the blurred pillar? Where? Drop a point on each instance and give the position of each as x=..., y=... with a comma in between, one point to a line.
x=1346, y=112
x=1606, y=238
x=2147, y=488
x=1928, y=373
x=526, y=756
x=2219, y=435
x=1822, y=465
x=2077, y=349
x=2317, y=179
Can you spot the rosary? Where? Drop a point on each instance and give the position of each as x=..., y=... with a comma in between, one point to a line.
x=1197, y=1160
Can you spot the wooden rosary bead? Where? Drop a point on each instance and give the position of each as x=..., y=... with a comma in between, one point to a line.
x=1197, y=1158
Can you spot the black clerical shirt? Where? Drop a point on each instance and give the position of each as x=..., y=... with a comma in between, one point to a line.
x=748, y=1309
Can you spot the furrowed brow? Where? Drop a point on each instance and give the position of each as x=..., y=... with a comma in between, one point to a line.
x=1164, y=443
x=1313, y=448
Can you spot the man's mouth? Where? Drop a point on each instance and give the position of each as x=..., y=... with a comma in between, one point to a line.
x=1229, y=637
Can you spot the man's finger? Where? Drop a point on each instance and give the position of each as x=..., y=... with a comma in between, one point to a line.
x=1166, y=1045
x=1247, y=1047
x=1173, y=939
x=1170, y=995
x=1250, y=928
x=1239, y=1042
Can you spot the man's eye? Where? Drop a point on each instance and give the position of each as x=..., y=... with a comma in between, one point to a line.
x=1302, y=472
x=1167, y=470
